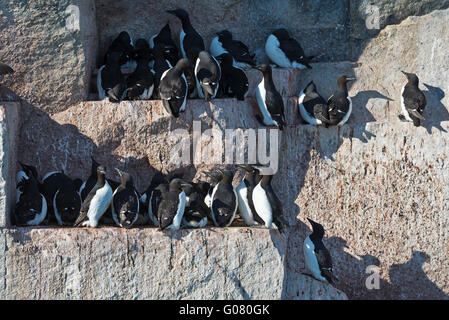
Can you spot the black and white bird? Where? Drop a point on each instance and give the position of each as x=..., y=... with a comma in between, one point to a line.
x=285, y=51
x=312, y=106
x=67, y=203
x=413, y=100
x=340, y=104
x=189, y=38
x=172, y=206
x=215, y=179
x=22, y=176
x=125, y=202
x=31, y=206
x=123, y=44
x=245, y=197
x=96, y=203
x=173, y=88
x=223, y=43
x=161, y=64
x=197, y=212
x=266, y=203
x=5, y=69
x=224, y=200
x=269, y=100
x=169, y=49
x=140, y=83
x=155, y=200
x=208, y=75
x=111, y=81
x=233, y=82
x=317, y=257
x=63, y=198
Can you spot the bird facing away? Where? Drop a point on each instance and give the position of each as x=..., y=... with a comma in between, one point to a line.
x=140, y=83
x=169, y=49
x=317, y=258
x=224, y=200
x=223, y=43
x=173, y=88
x=312, y=106
x=111, y=82
x=285, y=51
x=233, y=82
x=413, y=100
x=172, y=206
x=125, y=203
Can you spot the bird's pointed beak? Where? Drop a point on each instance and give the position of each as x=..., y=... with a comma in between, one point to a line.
x=351, y=79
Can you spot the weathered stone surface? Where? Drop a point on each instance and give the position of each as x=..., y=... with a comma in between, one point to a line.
x=112, y=263
x=9, y=131
x=51, y=52
x=368, y=18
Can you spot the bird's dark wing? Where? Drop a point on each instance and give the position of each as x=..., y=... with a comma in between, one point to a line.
x=338, y=106
x=85, y=206
x=276, y=207
x=414, y=101
x=324, y=261
x=223, y=205
x=275, y=106
x=167, y=209
x=292, y=49
x=5, y=69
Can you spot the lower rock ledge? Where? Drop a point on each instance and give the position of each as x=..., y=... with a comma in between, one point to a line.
x=114, y=263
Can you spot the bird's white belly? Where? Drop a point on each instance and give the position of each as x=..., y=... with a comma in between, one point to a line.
x=262, y=205
x=346, y=117
x=181, y=43
x=275, y=53
x=304, y=114
x=404, y=109
x=244, y=208
x=260, y=95
x=311, y=260
x=41, y=216
x=176, y=224
x=101, y=92
x=99, y=204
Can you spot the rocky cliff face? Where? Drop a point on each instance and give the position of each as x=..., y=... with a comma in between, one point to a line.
x=379, y=186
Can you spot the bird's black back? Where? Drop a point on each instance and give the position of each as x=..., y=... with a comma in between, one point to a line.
x=223, y=203
x=168, y=208
x=274, y=103
x=338, y=106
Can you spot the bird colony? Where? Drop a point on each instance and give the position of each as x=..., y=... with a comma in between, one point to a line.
x=156, y=69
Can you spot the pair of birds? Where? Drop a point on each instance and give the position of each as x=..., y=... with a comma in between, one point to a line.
x=336, y=111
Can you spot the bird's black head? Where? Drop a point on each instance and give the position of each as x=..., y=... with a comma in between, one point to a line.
x=318, y=229
x=226, y=174
x=226, y=60
x=180, y=13
x=264, y=68
x=246, y=167
x=68, y=202
x=215, y=176
x=343, y=80
x=113, y=58
x=412, y=78
x=142, y=49
x=224, y=35
x=281, y=34
x=125, y=178
x=29, y=170
x=187, y=188
x=124, y=37
x=202, y=187
x=176, y=184
x=101, y=170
